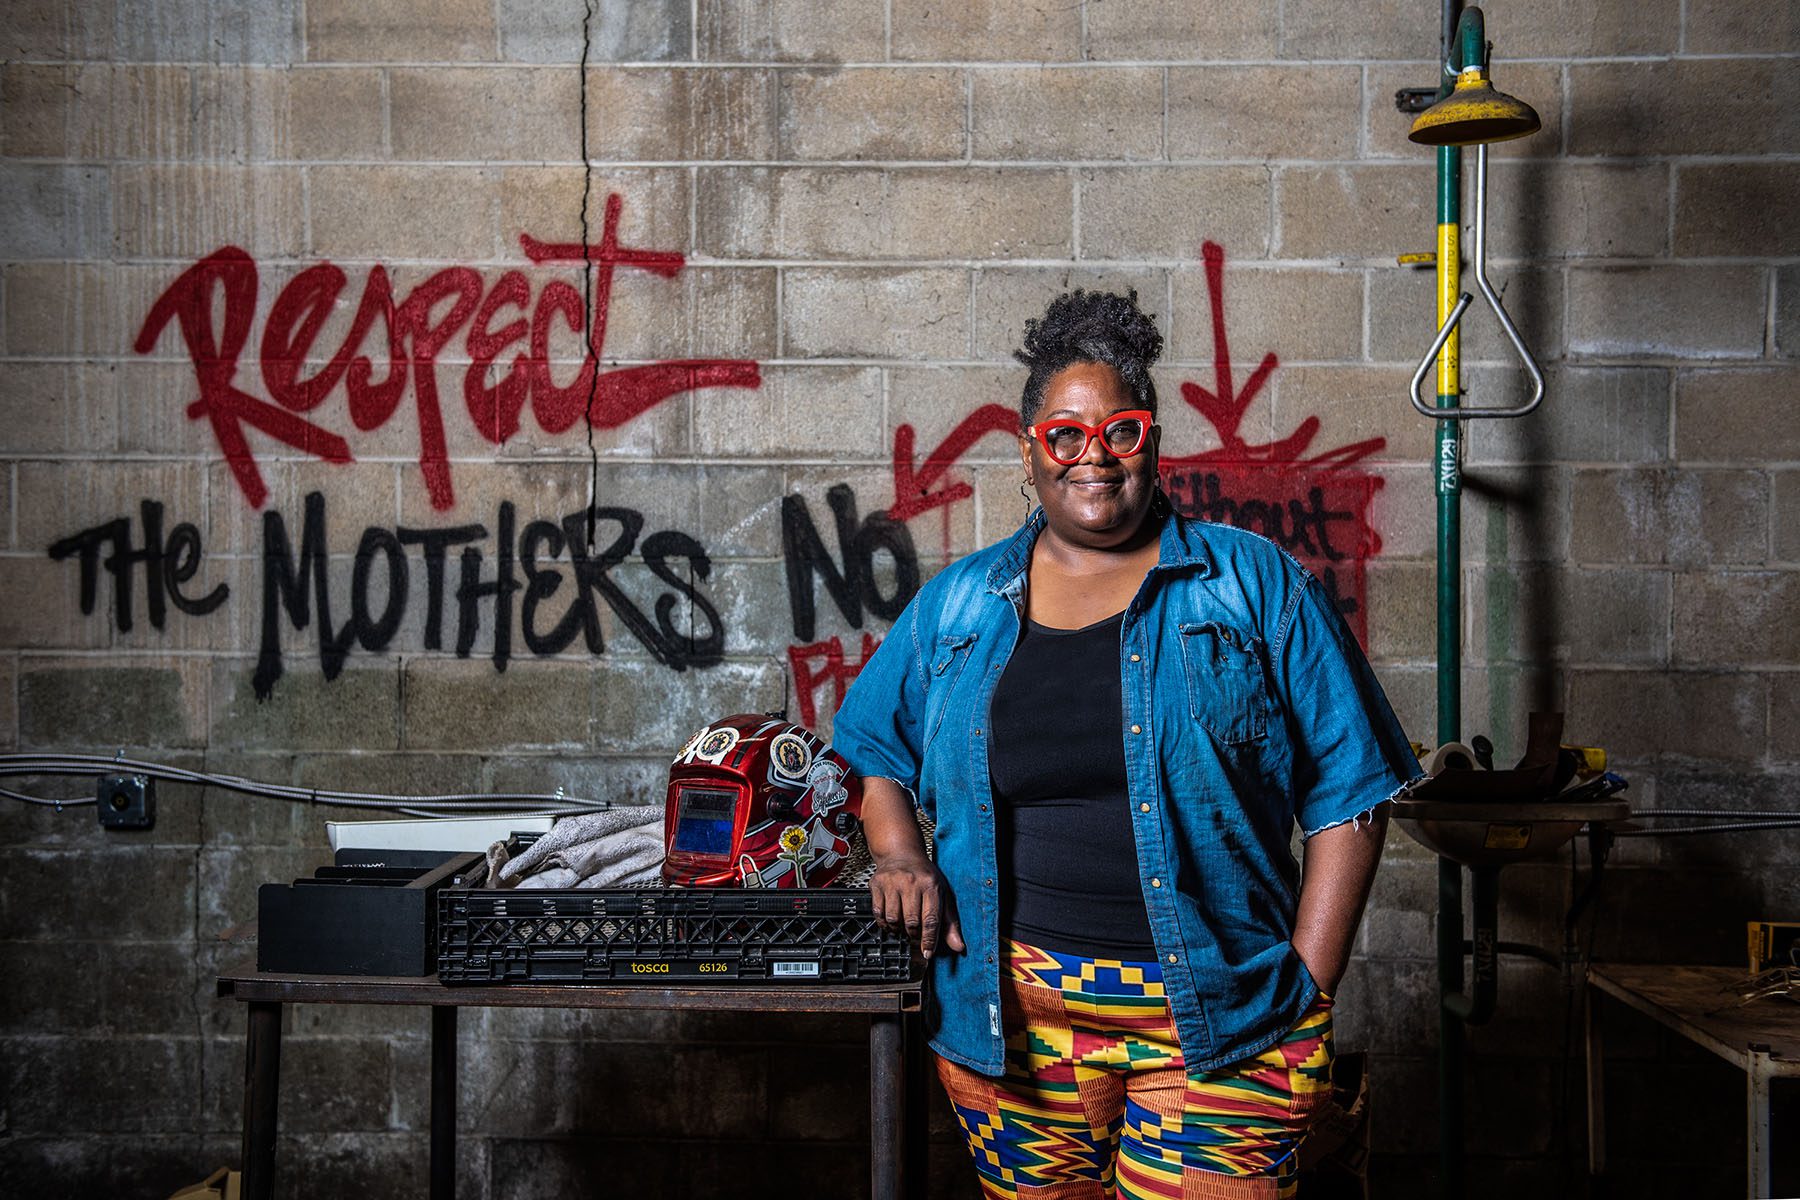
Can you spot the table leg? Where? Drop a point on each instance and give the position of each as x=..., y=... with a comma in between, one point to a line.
x=262, y=1079
x=443, y=1102
x=1757, y=1073
x=1596, y=1083
x=917, y=1094
x=887, y=1106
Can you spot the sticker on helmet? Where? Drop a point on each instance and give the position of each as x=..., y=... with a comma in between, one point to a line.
x=826, y=781
x=791, y=756
x=716, y=745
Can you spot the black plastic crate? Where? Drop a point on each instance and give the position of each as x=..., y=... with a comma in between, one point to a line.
x=828, y=935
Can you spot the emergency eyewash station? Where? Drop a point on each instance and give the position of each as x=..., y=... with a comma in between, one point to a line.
x=1482, y=820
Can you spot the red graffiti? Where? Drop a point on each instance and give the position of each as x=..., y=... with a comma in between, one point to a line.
x=1316, y=508
x=821, y=663
x=912, y=494
x=417, y=330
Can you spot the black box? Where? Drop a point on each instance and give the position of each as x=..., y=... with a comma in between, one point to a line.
x=355, y=918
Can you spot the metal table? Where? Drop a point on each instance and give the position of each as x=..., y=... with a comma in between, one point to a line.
x=896, y=1053
x=1761, y=1039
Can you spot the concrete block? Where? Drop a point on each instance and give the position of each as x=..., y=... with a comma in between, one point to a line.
x=1386, y=1007
x=661, y=1084
x=983, y=29
x=455, y=705
x=1529, y=29
x=1720, y=416
x=521, y=1167
x=705, y=312
x=94, y=111
x=189, y=211
x=1787, y=312
x=40, y=607
x=357, y=710
x=790, y=31
x=817, y=1093
x=649, y=113
x=104, y=1084
x=60, y=407
x=911, y=213
x=1722, y=27
x=49, y=895
x=62, y=309
x=60, y=29
x=1303, y=315
x=1641, y=716
x=1784, y=524
x=212, y=32
x=54, y=211
x=1512, y=514
x=60, y=497
x=339, y=1085
x=545, y=202
x=1680, y=518
x=457, y=114
x=1737, y=617
x=439, y=214
x=55, y=987
x=229, y=877
x=798, y=412
x=641, y=707
x=1169, y=29
x=1667, y=311
x=1007, y=297
x=1539, y=84
x=935, y=400
x=1387, y=29
x=1784, y=719
x=1545, y=614
x=550, y=31
x=1353, y=404
x=872, y=313
x=147, y=988
x=1352, y=212
x=1402, y=598
x=403, y=31
x=255, y=114
x=1068, y=112
x=1539, y=211
x=1263, y=113
x=848, y=114
x=9, y=702
x=1127, y=213
x=85, y=704
x=1742, y=209
x=620, y=780
x=1706, y=106
x=1589, y=414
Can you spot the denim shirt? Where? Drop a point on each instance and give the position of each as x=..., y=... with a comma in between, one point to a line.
x=1248, y=707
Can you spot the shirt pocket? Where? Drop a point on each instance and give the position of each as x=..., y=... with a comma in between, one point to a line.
x=948, y=658
x=1224, y=669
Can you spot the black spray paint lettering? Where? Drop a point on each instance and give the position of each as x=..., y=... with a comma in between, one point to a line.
x=299, y=585
x=168, y=564
x=851, y=586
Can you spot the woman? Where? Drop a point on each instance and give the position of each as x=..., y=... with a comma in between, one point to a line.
x=1115, y=718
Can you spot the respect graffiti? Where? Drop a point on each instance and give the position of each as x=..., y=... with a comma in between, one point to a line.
x=413, y=332
x=548, y=572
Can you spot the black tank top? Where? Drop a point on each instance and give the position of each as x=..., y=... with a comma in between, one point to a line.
x=1068, y=857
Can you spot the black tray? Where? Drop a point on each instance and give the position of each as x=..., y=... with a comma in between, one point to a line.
x=696, y=935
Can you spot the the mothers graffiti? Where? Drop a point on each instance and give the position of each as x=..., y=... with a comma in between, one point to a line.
x=468, y=580
x=414, y=332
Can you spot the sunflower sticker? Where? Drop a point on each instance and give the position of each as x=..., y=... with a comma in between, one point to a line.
x=793, y=847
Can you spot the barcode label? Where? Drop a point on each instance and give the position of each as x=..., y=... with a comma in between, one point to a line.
x=794, y=968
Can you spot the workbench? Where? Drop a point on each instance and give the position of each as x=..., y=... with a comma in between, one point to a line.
x=1762, y=1039
x=896, y=1053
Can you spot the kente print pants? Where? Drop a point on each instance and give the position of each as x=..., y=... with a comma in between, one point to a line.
x=1096, y=1104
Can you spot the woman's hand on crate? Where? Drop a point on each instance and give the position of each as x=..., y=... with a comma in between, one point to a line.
x=909, y=893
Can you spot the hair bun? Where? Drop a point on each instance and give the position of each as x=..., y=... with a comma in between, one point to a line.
x=1097, y=326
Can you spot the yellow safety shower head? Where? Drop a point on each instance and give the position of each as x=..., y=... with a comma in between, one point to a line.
x=1474, y=113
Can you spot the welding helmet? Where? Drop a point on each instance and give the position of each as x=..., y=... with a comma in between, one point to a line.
x=756, y=801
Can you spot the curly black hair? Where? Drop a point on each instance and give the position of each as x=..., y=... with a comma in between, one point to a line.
x=1090, y=327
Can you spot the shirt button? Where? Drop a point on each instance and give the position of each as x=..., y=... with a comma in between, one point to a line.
x=982, y=807
x=1137, y=729
x=1173, y=959
x=1143, y=808
x=988, y=882
x=978, y=733
x=1136, y=658
x=1156, y=883
x=990, y=958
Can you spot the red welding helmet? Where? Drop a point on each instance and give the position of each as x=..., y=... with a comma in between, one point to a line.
x=755, y=801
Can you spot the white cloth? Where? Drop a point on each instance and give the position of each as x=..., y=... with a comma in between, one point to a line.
x=616, y=847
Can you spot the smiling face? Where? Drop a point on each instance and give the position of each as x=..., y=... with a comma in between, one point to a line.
x=1099, y=501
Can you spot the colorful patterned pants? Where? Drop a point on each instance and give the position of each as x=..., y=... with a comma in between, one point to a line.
x=1095, y=1103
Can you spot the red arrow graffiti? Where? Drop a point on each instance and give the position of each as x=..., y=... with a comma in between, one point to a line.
x=912, y=484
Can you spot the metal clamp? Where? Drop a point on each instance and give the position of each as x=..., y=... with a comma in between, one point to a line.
x=1465, y=412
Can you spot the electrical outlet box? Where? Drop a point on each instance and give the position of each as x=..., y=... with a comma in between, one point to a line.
x=127, y=802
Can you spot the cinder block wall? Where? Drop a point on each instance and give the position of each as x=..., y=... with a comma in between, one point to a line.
x=864, y=202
